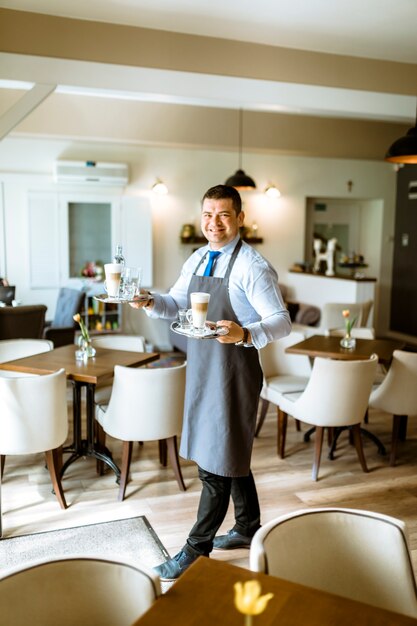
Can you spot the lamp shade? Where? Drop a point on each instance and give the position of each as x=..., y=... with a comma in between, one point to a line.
x=241, y=181
x=404, y=149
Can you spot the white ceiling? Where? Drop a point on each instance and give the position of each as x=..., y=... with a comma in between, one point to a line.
x=379, y=29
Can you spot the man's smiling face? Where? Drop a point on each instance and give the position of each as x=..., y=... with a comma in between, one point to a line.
x=219, y=222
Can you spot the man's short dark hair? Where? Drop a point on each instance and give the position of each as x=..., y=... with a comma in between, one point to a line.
x=220, y=192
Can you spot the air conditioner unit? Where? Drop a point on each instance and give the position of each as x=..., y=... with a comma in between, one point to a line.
x=91, y=172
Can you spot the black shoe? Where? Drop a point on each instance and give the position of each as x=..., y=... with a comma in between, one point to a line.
x=231, y=541
x=172, y=569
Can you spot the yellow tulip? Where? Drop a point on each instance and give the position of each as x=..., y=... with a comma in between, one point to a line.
x=248, y=599
x=76, y=317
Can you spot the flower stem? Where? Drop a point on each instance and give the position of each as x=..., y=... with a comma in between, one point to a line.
x=248, y=620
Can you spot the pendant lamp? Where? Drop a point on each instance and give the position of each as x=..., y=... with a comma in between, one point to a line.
x=404, y=149
x=240, y=180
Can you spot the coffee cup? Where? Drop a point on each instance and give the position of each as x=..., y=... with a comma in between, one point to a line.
x=113, y=272
x=199, y=308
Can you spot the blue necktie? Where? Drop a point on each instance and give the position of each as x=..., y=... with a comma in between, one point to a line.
x=213, y=254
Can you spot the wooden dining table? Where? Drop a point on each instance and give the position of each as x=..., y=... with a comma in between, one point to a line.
x=86, y=374
x=204, y=596
x=321, y=345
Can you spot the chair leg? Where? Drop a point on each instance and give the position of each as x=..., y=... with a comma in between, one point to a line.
x=282, y=419
x=297, y=425
x=101, y=440
x=262, y=415
x=318, y=445
x=403, y=427
x=1, y=525
x=357, y=438
x=396, y=428
x=54, y=463
x=171, y=444
x=2, y=462
x=366, y=418
x=163, y=459
x=124, y=470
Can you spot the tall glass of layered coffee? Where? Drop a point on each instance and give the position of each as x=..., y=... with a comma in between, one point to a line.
x=199, y=308
x=113, y=272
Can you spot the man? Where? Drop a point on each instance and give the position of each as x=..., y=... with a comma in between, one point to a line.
x=224, y=377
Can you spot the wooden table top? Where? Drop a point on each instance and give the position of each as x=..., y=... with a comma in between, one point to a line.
x=93, y=370
x=320, y=345
x=204, y=596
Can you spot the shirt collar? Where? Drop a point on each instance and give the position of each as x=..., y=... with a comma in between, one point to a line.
x=229, y=247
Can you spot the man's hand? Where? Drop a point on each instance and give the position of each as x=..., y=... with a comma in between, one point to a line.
x=142, y=303
x=235, y=332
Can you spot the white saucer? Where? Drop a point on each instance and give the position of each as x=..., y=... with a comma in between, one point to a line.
x=110, y=300
x=209, y=333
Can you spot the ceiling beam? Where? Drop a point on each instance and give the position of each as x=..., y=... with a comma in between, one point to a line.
x=23, y=107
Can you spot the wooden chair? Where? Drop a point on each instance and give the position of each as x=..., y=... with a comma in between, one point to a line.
x=145, y=405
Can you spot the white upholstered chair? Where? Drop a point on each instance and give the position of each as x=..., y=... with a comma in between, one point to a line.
x=131, y=343
x=331, y=313
x=355, y=554
x=77, y=590
x=336, y=395
x=116, y=341
x=145, y=405
x=11, y=349
x=283, y=373
x=33, y=419
x=359, y=332
x=397, y=394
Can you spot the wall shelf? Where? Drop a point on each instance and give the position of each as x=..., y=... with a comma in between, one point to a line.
x=203, y=240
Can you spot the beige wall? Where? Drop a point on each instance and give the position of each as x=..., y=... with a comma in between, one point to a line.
x=188, y=173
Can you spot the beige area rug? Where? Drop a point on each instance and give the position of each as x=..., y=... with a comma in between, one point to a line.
x=133, y=540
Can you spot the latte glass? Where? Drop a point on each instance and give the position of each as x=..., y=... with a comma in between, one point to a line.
x=199, y=308
x=113, y=273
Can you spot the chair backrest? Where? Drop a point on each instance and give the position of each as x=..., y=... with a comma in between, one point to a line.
x=356, y=554
x=33, y=413
x=22, y=322
x=397, y=393
x=7, y=294
x=331, y=313
x=130, y=343
x=275, y=361
x=77, y=591
x=11, y=349
x=357, y=332
x=337, y=392
x=69, y=302
x=145, y=404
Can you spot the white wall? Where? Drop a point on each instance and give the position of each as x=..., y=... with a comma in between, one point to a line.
x=28, y=163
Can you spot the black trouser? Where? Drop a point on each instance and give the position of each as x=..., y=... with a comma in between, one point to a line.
x=212, y=509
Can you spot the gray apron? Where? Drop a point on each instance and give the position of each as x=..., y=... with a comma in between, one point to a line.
x=222, y=389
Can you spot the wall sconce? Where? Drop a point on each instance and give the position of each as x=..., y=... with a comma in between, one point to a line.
x=159, y=187
x=272, y=191
x=239, y=180
x=404, y=149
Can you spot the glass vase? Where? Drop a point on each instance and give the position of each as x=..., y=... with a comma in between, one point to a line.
x=348, y=342
x=85, y=349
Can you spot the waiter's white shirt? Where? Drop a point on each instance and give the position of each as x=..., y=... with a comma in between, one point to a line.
x=253, y=288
